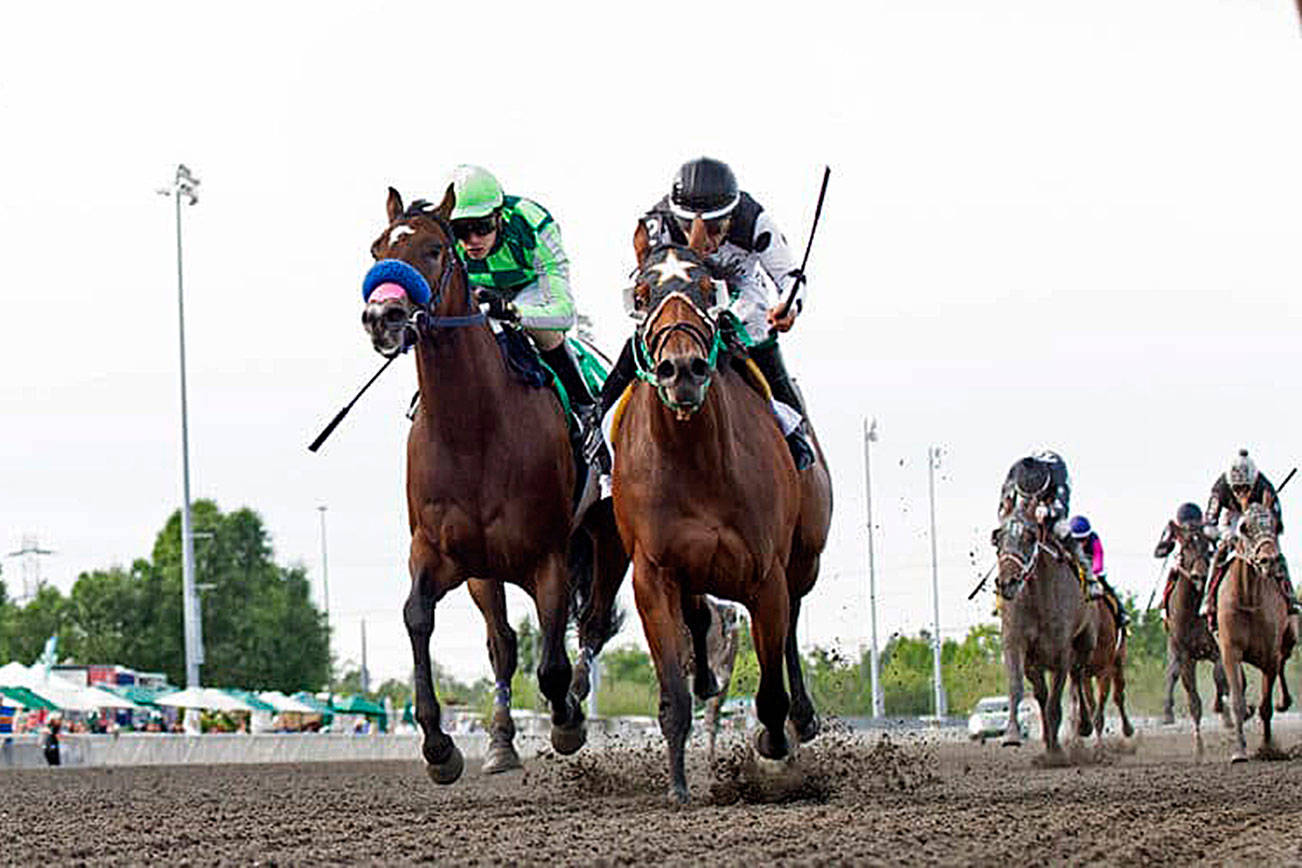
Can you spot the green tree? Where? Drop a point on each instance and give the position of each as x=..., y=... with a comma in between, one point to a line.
x=45, y=615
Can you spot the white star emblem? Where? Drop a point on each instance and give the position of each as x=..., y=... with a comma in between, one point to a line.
x=670, y=267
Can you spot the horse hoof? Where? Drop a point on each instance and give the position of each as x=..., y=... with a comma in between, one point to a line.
x=705, y=688
x=1238, y=757
x=808, y=731
x=678, y=795
x=1126, y=729
x=1011, y=741
x=501, y=759
x=769, y=749
x=568, y=739
x=1168, y=719
x=449, y=770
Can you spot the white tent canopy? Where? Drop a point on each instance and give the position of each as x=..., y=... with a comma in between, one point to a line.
x=65, y=694
x=208, y=698
x=283, y=703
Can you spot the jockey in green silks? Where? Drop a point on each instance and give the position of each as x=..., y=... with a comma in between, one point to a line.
x=512, y=250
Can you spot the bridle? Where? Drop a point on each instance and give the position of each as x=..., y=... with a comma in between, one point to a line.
x=423, y=321
x=1024, y=563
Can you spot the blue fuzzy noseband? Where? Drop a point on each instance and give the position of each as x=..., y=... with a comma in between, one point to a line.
x=399, y=272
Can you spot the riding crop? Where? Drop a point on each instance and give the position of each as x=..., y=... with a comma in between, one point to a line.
x=800, y=275
x=339, y=417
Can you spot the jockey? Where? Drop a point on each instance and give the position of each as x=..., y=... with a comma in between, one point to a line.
x=512, y=250
x=1090, y=553
x=1233, y=492
x=1040, y=479
x=744, y=244
x=1188, y=518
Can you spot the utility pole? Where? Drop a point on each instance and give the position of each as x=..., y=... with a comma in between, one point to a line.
x=933, y=461
x=869, y=438
x=183, y=187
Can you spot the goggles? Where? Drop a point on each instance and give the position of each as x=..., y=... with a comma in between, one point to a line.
x=480, y=226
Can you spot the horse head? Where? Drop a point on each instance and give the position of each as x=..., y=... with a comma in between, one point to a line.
x=1195, y=551
x=677, y=302
x=416, y=252
x=1017, y=544
x=1255, y=536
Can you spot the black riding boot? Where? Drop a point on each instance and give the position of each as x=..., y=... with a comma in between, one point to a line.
x=769, y=360
x=1122, y=618
x=562, y=361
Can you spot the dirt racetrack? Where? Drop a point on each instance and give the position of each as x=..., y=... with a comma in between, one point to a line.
x=858, y=800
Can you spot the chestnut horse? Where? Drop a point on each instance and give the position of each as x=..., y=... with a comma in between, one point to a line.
x=1188, y=637
x=1254, y=624
x=708, y=501
x=1105, y=665
x=1046, y=623
x=490, y=475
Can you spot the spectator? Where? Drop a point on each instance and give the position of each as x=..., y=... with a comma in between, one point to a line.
x=51, y=741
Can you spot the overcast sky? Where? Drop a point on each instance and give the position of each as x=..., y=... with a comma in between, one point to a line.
x=1049, y=224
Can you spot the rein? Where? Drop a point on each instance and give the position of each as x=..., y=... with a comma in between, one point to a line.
x=644, y=351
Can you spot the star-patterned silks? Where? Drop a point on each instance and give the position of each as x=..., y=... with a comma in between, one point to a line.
x=672, y=267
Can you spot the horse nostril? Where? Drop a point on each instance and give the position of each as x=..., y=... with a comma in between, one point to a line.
x=665, y=371
x=698, y=368
x=394, y=317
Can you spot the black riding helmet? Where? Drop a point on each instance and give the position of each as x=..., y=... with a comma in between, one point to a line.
x=1031, y=477
x=1188, y=513
x=704, y=188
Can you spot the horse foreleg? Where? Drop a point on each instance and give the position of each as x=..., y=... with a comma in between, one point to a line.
x=1082, y=699
x=802, y=707
x=770, y=625
x=1222, y=690
x=1014, y=665
x=1174, y=663
x=1189, y=678
x=1119, y=691
x=431, y=578
x=1238, y=704
x=490, y=597
x=659, y=605
x=1053, y=717
x=1041, y=691
x=1285, y=698
x=1267, y=707
x=1105, y=688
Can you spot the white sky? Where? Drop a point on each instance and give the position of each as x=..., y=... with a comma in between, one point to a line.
x=1049, y=223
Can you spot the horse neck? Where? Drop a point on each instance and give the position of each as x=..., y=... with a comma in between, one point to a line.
x=461, y=374
x=703, y=440
x=1183, y=602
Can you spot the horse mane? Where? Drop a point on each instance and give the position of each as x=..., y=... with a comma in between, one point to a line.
x=420, y=208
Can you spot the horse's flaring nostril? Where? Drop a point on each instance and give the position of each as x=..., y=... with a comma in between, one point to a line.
x=699, y=368
x=394, y=317
x=665, y=371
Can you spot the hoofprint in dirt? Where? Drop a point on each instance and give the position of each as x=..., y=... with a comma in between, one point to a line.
x=862, y=800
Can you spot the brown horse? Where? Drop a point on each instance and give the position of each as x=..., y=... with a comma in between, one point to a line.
x=490, y=476
x=708, y=501
x=1045, y=621
x=1105, y=665
x=1188, y=638
x=1253, y=621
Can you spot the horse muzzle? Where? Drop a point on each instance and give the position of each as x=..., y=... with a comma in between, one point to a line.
x=387, y=322
x=683, y=380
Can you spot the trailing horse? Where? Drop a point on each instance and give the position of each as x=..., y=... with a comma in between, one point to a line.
x=1253, y=622
x=1105, y=665
x=708, y=501
x=490, y=478
x=1045, y=620
x=1188, y=637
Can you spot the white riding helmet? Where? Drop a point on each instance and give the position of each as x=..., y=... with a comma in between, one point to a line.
x=1242, y=471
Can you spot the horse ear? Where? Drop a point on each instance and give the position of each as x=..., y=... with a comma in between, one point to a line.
x=641, y=244
x=445, y=207
x=394, y=205
x=697, y=238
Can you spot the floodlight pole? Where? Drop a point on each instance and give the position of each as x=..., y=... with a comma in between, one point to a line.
x=325, y=592
x=183, y=187
x=870, y=437
x=933, y=459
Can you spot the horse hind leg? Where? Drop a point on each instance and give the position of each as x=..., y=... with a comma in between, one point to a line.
x=1285, y=698
x=698, y=615
x=431, y=578
x=1267, y=710
x=803, y=715
x=597, y=565
x=1172, y=674
x=569, y=730
x=503, y=650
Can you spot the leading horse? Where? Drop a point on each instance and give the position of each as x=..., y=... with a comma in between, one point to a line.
x=1254, y=624
x=490, y=477
x=1045, y=621
x=708, y=501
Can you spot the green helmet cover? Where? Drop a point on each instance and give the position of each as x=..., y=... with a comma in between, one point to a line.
x=477, y=192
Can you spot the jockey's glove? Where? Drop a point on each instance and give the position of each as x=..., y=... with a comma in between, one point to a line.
x=498, y=306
